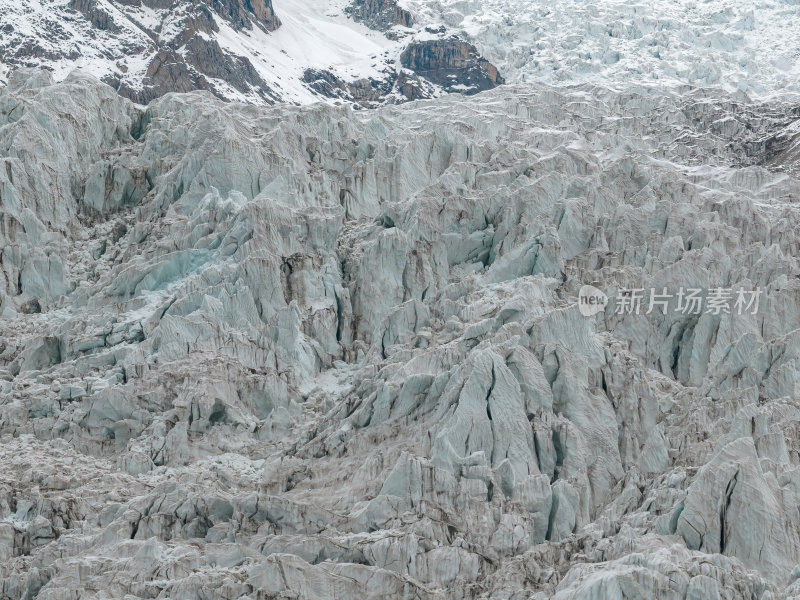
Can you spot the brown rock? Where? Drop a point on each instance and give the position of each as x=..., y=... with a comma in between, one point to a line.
x=368, y=93
x=453, y=64
x=242, y=13
x=380, y=14
x=96, y=15
x=188, y=60
x=166, y=73
x=208, y=58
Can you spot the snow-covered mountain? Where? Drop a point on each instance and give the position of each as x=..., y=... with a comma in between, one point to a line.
x=297, y=51
x=381, y=51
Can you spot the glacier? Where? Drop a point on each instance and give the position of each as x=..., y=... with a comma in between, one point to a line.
x=322, y=353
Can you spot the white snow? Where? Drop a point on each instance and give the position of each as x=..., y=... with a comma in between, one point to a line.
x=56, y=29
x=314, y=34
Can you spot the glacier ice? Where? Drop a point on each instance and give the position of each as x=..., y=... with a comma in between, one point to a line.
x=311, y=352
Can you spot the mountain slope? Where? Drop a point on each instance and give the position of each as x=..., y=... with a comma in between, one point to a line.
x=238, y=51
x=314, y=50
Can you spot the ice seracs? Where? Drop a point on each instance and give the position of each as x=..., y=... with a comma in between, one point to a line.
x=289, y=350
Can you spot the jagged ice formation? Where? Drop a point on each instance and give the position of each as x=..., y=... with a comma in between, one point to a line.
x=315, y=353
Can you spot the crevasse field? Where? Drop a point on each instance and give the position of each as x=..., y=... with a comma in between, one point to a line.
x=312, y=352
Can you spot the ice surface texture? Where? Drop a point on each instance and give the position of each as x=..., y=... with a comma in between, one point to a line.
x=318, y=353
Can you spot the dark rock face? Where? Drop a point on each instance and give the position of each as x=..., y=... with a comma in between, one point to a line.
x=380, y=14
x=242, y=13
x=186, y=59
x=327, y=84
x=192, y=58
x=200, y=20
x=453, y=64
x=202, y=57
x=370, y=93
x=207, y=57
x=177, y=48
x=170, y=71
x=167, y=72
x=96, y=15
x=412, y=87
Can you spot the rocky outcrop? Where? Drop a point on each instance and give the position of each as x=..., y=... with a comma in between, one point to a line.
x=167, y=72
x=209, y=59
x=368, y=93
x=117, y=40
x=430, y=68
x=145, y=49
x=451, y=63
x=95, y=14
x=193, y=60
x=380, y=14
x=243, y=13
x=371, y=93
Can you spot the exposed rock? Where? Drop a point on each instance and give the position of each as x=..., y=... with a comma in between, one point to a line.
x=364, y=92
x=380, y=14
x=146, y=49
x=430, y=68
x=95, y=14
x=167, y=72
x=173, y=47
x=451, y=63
x=371, y=93
x=208, y=58
x=240, y=13
x=662, y=44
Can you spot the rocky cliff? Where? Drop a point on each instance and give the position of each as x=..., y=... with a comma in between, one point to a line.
x=243, y=13
x=451, y=63
x=323, y=353
x=380, y=14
